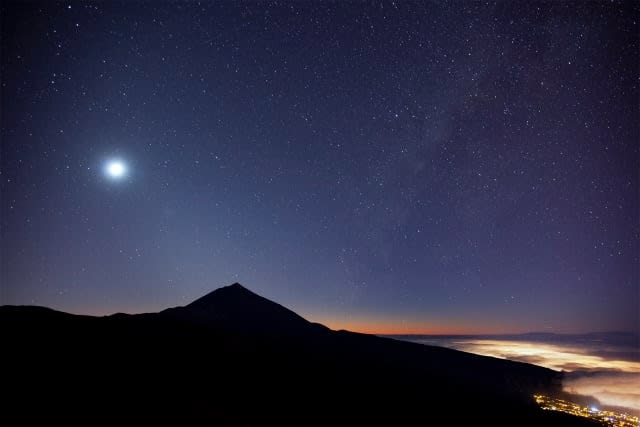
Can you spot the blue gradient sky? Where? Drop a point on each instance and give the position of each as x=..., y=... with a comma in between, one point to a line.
x=389, y=167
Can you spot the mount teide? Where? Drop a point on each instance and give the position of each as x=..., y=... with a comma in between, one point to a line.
x=235, y=308
x=234, y=357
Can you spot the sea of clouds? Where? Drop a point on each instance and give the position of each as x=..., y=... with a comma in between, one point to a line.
x=604, y=366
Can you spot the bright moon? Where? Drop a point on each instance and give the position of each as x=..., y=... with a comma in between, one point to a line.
x=116, y=169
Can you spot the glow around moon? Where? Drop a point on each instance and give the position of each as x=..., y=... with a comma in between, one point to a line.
x=115, y=169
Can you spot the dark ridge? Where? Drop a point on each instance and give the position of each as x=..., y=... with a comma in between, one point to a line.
x=35, y=312
x=233, y=357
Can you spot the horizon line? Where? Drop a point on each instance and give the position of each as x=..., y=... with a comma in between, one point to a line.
x=337, y=326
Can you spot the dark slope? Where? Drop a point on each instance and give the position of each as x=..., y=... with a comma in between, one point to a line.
x=233, y=357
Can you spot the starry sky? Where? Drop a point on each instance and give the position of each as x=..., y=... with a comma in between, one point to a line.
x=434, y=167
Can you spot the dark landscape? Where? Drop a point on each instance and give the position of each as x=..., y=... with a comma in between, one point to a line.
x=233, y=357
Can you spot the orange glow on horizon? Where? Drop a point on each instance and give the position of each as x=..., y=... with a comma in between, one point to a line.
x=381, y=324
x=382, y=327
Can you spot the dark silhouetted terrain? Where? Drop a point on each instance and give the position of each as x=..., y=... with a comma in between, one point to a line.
x=233, y=357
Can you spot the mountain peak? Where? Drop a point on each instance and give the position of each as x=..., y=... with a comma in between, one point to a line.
x=236, y=287
x=235, y=291
x=237, y=307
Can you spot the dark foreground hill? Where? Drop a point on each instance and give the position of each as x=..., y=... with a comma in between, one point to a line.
x=233, y=357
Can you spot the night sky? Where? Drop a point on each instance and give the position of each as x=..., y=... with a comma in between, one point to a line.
x=386, y=167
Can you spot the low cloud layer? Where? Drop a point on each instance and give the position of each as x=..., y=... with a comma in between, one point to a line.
x=610, y=373
x=610, y=388
x=561, y=357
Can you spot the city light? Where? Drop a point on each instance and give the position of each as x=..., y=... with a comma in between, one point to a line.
x=608, y=418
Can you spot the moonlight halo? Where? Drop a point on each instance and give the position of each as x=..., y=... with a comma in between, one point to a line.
x=115, y=169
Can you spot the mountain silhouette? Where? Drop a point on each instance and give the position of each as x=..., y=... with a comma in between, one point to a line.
x=236, y=308
x=233, y=357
